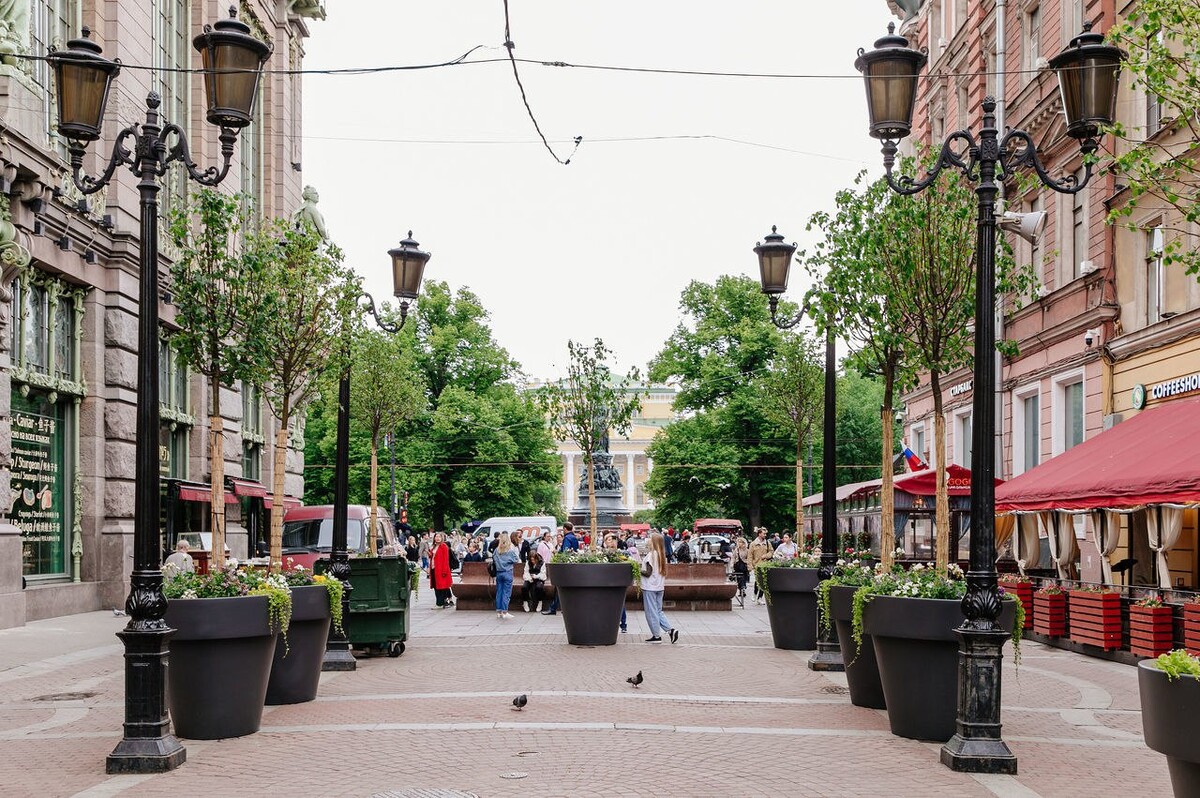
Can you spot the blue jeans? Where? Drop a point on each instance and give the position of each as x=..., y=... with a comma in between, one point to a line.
x=504, y=580
x=652, y=601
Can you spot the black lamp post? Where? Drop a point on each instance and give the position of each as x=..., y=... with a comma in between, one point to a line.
x=774, y=264
x=408, y=268
x=233, y=62
x=1087, y=74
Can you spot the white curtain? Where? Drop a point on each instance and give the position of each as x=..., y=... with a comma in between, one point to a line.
x=1106, y=533
x=1025, y=545
x=1060, y=535
x=1163, y=525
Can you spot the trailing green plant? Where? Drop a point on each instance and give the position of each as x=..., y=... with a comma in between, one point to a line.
x=297, y=575
x=232, y=583
x=805, y=558
x=848, y=575
x=1178, y=663
x=414, y=580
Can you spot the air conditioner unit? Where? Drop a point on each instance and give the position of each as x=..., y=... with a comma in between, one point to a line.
x=1087, y=267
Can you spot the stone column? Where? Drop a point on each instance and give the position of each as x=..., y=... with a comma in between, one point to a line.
x=629, y=486
x=569, y=493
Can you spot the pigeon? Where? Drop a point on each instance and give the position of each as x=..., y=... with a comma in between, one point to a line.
x=118, y=613
x=519, y=702
x=635, y=680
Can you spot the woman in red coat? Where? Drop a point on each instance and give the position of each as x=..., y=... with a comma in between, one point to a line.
x=439, y=571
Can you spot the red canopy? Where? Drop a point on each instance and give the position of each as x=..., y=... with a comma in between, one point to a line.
x=719, y=523
x=924, y=483
x=635, y=527
x=1150, y=459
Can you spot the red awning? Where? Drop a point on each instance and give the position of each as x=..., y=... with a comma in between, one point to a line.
x=1150, y=459
x=843, y=492
x=720, y=523
x=924, y=483
x=288, y=501
x=188, y=493
x=248, y=487
x=635, y=527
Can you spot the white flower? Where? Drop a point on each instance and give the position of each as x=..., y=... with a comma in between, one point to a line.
x=841, y=561
x=189, y=594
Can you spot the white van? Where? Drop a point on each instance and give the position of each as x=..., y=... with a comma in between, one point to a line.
x=530, y=526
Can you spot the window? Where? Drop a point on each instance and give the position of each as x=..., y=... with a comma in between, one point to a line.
x=964, y=101
x=1154, y=274
x=1033, y=41
x=52, y=23
x=43, y=336
x=172, y=55
x=1079, y=228
x=252, y=432
x=1035, y=247
x=1027, y=431
x=1068, y=412
x=1154, y=104
x=918, y=433
x=962, y=439
x=250, y=147
x=174, y=409
x=1072, y=19
x=989, y=56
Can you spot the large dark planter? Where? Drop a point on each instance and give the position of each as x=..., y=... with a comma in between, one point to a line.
x=592, y=596
x=220, y=660
x=862, y=672
x=917, y=653
x=1171, y=724
x=792, y=607
x=296, y=669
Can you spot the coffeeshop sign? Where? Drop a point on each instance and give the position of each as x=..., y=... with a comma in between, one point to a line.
x=1168, y=389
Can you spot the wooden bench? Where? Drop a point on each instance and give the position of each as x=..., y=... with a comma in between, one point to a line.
x=477, y=590
x=690, y=586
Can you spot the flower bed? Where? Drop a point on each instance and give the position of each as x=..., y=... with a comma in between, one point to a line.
x=1095, y=618
x=1050, y=612
x=1022, y=589
x=1151, y=628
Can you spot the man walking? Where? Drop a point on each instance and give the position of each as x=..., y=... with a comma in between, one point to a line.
x=760, y=550
x=570, y=543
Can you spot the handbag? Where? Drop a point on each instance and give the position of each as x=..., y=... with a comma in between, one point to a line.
x=647, y=568
x=492, y=568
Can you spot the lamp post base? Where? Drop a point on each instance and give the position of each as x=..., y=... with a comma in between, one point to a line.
x=828, y=657
x=338, y=658
x=976, y=746
x=157, y=755
x=148, y=745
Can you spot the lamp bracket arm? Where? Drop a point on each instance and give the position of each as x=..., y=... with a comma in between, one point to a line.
x=383, y=325
x=179, y=151
x=1017, y=149
x=784, y=324
x=965, y=160
x=121, y=156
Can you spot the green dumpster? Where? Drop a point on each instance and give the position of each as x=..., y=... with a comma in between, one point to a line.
x=378, y=619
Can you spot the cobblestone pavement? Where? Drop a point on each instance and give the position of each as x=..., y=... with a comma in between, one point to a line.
x=720, y=714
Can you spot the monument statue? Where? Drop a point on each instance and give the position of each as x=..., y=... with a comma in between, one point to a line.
x=14, y=29
x=307, y=212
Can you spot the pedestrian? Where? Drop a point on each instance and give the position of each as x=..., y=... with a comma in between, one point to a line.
x=533, y=585
x=504, y=558
x=787, y=549
x=760, y=551
x=179, y=562
x=423, y=550
x=739, y=564
x=613, y=544
x=569, y=543
x=683, y=552
x=473, y=552
x=495, y=542
x=440, y=577
x=654, y=582
x=545, y=546
x=412, y=552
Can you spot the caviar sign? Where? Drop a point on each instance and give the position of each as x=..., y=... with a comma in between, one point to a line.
x=38, y=489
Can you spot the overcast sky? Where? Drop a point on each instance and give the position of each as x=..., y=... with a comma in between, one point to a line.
x=603, y=246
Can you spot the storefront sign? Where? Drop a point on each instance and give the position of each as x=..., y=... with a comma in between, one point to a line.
x=38, y=485
x=961, y=388
x=1168, y=389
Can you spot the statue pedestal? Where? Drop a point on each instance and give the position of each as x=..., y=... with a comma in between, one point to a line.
x=611, y=511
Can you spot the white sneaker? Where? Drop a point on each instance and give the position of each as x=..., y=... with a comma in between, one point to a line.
x=505, y=615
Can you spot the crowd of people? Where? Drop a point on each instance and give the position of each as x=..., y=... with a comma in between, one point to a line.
x=440, y=555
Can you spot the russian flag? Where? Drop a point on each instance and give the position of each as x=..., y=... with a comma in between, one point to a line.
x=914, y=462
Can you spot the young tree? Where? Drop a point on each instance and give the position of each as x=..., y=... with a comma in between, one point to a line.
x=853, y=285
x=794, y=395
x=588, y=404
x=312, y=302
x=385, y=391
x=1161, y=169
x=217, y=284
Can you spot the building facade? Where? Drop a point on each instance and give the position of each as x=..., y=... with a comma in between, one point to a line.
x=69, y=296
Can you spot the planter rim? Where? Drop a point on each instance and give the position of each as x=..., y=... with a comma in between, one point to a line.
x=308, y=604
x=590, y=574
x=792, y=580
x=219, y=618
x=938, y=622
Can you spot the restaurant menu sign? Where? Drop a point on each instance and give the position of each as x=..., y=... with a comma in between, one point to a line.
x=39, y=484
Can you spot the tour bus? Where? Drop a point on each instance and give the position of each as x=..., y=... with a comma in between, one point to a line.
x=530, y=526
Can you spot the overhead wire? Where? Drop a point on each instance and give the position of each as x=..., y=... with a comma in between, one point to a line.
x=508, y=45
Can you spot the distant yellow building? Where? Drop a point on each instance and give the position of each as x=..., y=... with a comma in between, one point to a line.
x=628, y=451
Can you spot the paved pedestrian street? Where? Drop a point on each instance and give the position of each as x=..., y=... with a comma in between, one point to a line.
x=722, y=713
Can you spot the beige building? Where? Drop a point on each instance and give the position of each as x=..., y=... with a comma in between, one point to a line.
x=69, y=296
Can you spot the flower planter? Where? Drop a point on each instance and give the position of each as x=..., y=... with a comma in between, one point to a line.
x=1095, y=618
x=1050, y=614
x=1151, y=630
x=1023, y=591
x=1191, y=627
x=296, y=668
x=917, y=653
x=592, y=596
x=862, y=672
x=792, y=607
x=220, y=661
x=1171, y=724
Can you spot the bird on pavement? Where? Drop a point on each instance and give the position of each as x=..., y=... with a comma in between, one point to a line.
x=519, y=702
x=635, y=680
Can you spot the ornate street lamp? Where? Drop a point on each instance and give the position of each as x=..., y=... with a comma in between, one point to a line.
x=1087, y=74
x=83, y=78
x=774, y=264
x=408, y=268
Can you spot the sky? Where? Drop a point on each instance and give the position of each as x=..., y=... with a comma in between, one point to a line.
x=605, y=245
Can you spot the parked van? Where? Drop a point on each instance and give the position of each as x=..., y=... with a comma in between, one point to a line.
x=308, y=533
x=530, y=526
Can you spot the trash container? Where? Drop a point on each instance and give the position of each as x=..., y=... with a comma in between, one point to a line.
x=378, y=619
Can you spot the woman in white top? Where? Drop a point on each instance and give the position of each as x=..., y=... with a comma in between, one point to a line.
x=787, y=549
x=654, y=582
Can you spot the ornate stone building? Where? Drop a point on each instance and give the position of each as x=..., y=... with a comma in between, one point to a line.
x=69, y=308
